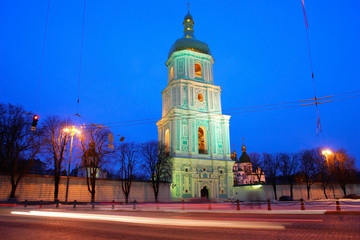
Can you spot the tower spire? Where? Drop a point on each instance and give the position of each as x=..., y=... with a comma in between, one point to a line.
x=188, y=24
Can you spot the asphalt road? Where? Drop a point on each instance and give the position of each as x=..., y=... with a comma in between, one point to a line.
x=163, y=225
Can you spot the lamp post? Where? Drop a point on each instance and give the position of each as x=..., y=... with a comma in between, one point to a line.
x=72, y=131
x=327, y=153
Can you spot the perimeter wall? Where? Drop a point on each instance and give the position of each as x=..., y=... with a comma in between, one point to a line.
x=41, y=187
x=264, y=192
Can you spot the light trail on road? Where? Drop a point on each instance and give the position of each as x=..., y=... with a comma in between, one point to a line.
x=157, y=221
x=257, y=219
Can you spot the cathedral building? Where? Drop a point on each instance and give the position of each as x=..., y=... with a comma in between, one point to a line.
x=192, y=126
x=243, y=170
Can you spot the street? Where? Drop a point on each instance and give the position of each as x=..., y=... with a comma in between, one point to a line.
x=61, y=224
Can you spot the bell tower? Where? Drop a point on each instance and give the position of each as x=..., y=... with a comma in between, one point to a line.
x=192, y=126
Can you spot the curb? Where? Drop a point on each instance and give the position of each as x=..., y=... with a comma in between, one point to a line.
x=342, y=212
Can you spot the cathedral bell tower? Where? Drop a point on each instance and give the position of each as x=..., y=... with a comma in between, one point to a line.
x=192, y=126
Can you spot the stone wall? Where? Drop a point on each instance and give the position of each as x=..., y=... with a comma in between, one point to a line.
x=263, y=192
x=39, y=187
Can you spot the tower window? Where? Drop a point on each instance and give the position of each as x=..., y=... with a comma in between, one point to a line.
x=202, y=140
x=200, y=97
x=198, y=70
x=171, y=73
x=167, y=141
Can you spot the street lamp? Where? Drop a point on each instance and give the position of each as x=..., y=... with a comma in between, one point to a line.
x=327, y=153
x=72, y=131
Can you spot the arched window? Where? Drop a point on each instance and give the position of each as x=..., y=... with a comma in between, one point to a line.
x=202, y=140
x=171, y=73
x=200, y=97
x=198, y=70
x=167, y=141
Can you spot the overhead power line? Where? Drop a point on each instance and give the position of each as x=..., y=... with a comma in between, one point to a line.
x=42, y=56
x=233, y=111
x=318, y=128
x=81, y=54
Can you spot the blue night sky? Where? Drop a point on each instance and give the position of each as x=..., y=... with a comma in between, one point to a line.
x=259, y=47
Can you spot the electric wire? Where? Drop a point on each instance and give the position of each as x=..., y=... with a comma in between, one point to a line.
x=81, y=54
x=42, y=56
x=249, y=107
x=318, y=129
x=196, y=115
x=300, y=102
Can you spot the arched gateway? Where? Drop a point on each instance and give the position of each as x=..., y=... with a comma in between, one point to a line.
x=204, y=193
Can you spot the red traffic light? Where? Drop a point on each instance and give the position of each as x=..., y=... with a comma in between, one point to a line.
x=34, y=122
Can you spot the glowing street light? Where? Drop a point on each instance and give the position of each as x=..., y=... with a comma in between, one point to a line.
x=73, y=130
x=326, y=152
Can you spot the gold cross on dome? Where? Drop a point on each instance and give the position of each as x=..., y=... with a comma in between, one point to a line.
x=188, y=5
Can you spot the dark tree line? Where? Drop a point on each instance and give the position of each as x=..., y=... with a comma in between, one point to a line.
x=308, y=166
x=20, y=147
x=18, y=144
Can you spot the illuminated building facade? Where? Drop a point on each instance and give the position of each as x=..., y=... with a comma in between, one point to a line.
x=193, y=127
x=243, y=170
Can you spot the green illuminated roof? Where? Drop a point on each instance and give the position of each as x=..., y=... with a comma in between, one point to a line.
x=189, y=41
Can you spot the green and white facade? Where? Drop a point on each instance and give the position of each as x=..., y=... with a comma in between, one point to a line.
x=192, y=126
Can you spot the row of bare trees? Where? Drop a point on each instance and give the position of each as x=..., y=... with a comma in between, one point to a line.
x=308, y=166
x=20, y=147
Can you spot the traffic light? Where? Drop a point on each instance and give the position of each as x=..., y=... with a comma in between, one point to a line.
x=34, y=123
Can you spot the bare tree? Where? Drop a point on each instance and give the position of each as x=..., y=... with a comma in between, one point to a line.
x=271, y=167
x=309, y=169
x=127, y=154
x=157, y=163
x=258, y=164
x=288, y=164
x=95, y=154
x=19, y=145
x=55, y=141
x=343, y=169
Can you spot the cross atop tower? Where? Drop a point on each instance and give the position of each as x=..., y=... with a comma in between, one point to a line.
x=188, y=6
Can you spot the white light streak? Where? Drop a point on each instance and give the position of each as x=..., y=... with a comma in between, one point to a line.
x=157, y=221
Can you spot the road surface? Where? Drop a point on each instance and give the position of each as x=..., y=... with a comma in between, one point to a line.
x=66, y=224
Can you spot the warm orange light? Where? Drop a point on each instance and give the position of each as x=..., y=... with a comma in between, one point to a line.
x=73, y=130
x=326, y=152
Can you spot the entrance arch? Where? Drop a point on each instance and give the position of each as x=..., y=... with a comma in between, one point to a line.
x=204, y=193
